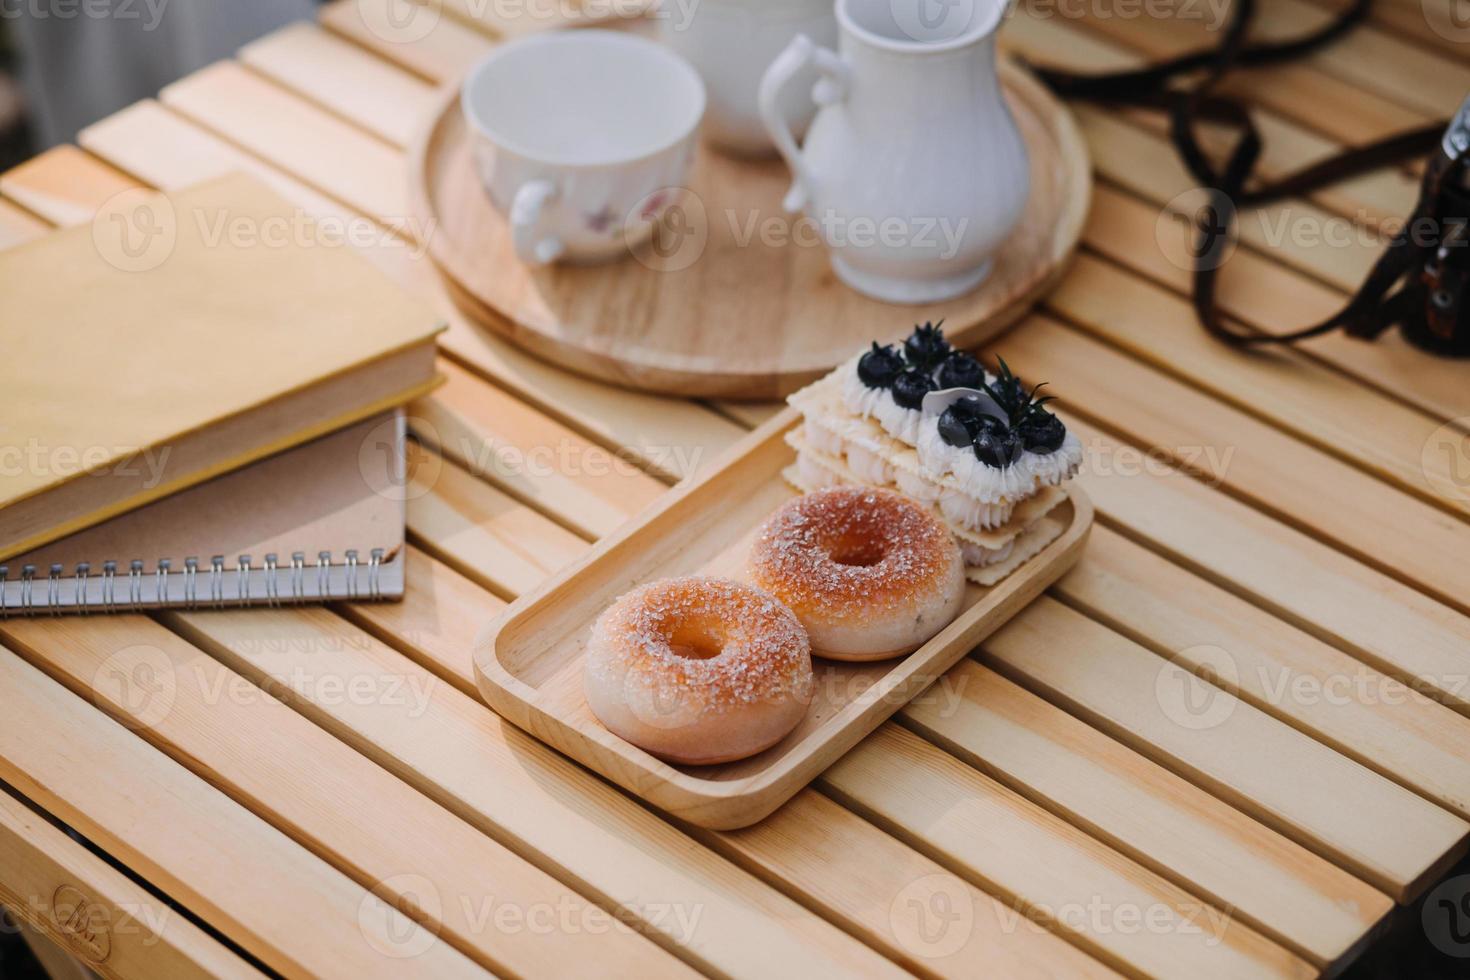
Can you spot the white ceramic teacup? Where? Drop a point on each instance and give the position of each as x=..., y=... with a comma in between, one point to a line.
x=731, y=42
x=582, y=139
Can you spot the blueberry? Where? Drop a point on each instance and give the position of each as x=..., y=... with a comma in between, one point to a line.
x=964, y=419
x=997, y=448
x=879, y=367
x=990, y=424
x=1042, y=432
x=926, y=346
x=910, y=388
x=954, y=428
x=961, y=370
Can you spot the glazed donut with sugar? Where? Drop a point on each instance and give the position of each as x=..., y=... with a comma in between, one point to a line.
x=869, y=573
x=698, y=671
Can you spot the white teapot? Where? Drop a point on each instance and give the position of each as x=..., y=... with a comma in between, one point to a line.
x=731, y=43
x=913, y=170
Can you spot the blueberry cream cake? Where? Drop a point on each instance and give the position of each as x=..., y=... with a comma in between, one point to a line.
x=981, y=449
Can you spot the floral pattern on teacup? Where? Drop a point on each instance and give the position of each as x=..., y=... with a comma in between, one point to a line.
x=603, y=221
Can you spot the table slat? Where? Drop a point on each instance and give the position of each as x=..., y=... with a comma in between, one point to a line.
x=63, y=185
x=482, y=428
x=333, y=156
x=96, y=913
x=243, y=876
x=964, y=819
x=435, y=48
x=1311, y=685
x=1228, y=448
x=437, y=621
x=1380, y=621
x=1271, y=771
x=344, y=78
x=1427, y=23
x=1412, y=76
x=1149, y=813
x=17, y=226
x=455, y=514
x=499, y=20
x=896, y=899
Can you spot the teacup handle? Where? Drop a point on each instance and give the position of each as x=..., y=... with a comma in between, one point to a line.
x=831, y=88
x=526, y=214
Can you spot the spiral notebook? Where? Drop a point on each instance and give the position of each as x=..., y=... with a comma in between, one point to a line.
x=321, y=522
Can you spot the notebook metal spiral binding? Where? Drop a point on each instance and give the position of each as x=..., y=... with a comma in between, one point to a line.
x=352, y=574
x=298, y=575
x=346, y=580
x=191, y=582
x=375, y=567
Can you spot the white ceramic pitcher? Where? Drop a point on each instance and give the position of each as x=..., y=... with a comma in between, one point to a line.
x=913, y=170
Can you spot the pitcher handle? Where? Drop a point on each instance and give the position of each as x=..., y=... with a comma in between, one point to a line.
x=526, y=214
x=830, y=89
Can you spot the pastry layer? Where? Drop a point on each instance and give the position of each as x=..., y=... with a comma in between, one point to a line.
x=1028, y=544
x=820, y=469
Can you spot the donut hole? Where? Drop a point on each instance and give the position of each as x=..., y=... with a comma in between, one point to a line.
x=856, y=552
x=696, y=641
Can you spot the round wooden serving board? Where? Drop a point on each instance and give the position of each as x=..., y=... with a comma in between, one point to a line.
x=741, y=301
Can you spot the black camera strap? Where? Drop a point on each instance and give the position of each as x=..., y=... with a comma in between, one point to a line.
x=1371, y=309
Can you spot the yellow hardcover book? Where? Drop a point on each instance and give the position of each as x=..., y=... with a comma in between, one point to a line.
x=180, y=337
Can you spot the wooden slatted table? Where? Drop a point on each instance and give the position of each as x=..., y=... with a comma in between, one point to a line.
x=1226, y=745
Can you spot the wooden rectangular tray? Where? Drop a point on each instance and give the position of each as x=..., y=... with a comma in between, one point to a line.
x=529, y=661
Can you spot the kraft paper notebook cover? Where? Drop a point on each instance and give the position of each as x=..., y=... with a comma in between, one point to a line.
x=321, y=521
x=177, y=339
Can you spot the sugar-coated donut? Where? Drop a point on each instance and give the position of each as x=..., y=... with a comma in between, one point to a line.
x=869, y=573
x=698, y=670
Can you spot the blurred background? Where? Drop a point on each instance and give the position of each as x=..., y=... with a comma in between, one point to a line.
x=65, y=64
